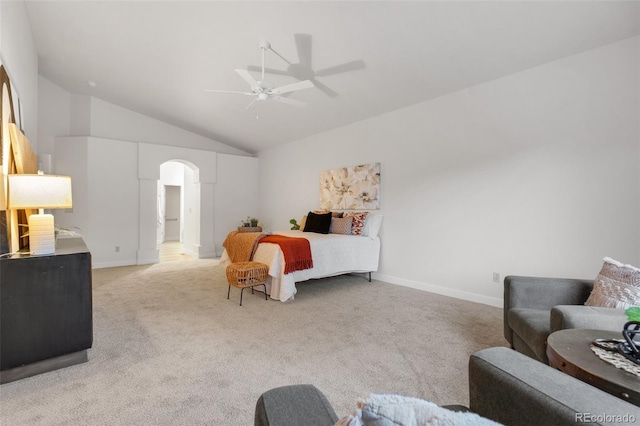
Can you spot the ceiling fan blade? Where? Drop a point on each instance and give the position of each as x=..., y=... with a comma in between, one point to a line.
x=303, y=45
x=267, y=70
x=228, y=91
x=326, y=90
x=247, y=77
x=288, y=101
x=346, y=67
x=253, y=102
x=305, y=84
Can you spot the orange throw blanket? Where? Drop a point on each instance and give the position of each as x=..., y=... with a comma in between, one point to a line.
x=240, y=246
x=297, y=252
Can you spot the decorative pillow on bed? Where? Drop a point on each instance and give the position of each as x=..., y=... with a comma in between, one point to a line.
x=333, y=214
x=318, y=223
x=372, y=225
x=358, y=221
x=341, y=225
x=616, y=286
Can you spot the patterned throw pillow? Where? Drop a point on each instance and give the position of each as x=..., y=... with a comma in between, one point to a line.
x=358, y=221
x=341, y=225
x=616, y=286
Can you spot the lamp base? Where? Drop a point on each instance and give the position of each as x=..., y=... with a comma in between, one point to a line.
x=42, y=236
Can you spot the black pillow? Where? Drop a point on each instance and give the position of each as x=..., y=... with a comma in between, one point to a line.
x=318, y=223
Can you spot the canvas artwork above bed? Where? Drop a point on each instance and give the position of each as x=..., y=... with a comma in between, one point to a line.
x=351, y=188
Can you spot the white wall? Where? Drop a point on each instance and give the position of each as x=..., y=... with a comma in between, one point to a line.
x=172, y=173
x=20, y=59
x=113, y=122
x=536, y=173
x=192, y=217
x=104, y=180
x=65, y=114
x=235, y=195
x=113, y=201
x=53, y=116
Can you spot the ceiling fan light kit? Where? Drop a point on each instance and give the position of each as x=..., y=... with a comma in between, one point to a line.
x=263, y=91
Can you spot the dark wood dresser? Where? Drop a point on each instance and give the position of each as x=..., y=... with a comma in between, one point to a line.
x=46, y=313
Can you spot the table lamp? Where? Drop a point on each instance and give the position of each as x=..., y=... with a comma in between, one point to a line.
x=26, y=191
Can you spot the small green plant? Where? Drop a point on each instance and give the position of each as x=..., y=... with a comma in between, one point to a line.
x=295, y=226
x=633, y=313
x=250, y=221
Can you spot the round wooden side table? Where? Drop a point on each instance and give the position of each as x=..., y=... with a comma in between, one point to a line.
x=569, y=351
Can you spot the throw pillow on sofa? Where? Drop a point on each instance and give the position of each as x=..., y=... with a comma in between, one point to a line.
x=616, y=286
x=398, y=410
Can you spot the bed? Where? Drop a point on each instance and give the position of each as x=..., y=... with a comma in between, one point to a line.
x=333, y=254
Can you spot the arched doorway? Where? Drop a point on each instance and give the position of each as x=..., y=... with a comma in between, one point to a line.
x=197, y=200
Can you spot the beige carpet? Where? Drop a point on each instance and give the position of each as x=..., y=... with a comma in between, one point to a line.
x=170, y=349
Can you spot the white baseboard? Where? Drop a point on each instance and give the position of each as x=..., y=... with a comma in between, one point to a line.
x=458, y=294
x=112, y=264
x=146, y=257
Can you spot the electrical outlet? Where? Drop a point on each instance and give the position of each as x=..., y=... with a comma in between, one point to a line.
x=496, y=277
x=118, y=250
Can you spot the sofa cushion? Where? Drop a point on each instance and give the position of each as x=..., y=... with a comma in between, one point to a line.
x=616, y=286
x=533, y=327
x=294, y=405
x=587, y=317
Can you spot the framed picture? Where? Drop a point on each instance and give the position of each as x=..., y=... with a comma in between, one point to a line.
x=351, y=188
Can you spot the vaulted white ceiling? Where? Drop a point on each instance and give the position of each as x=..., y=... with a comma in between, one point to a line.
x=366, y=57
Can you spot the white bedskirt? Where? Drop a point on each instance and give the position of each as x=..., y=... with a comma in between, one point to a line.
x=333, y=254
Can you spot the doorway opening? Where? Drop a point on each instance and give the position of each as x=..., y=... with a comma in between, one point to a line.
x=172, y=187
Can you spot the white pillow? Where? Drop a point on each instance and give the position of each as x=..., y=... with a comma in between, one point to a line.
x=372, y=225
x=616, y=286
x=398, y=410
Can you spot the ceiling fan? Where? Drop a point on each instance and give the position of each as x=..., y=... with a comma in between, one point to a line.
x=262, y=91
x=303, y=70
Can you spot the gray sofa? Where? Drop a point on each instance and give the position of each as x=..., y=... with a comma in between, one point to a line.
x=504, y=386
x=536, y=307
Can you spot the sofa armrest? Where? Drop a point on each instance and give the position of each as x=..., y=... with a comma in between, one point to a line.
x=511, y=388
x=294, y=405
x=587, y=317
x=542, y=294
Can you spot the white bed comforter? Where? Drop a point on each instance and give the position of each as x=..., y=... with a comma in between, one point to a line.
x=333, y=254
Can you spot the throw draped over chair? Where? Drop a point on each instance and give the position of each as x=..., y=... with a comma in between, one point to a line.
x=243, y=272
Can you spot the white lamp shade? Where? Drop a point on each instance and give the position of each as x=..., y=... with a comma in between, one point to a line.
x=39, y=192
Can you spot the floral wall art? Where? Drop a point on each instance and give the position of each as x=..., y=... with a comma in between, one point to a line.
x=351, y=188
